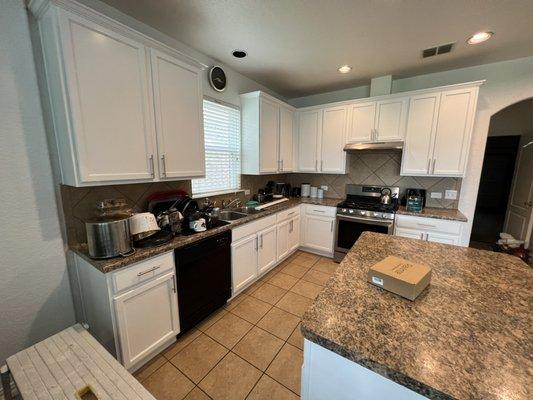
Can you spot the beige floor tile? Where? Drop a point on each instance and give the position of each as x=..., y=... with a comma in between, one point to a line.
x=209, y=321
x=326, y=265
x=307, y=289
x=295, y=270
x=149, y=368
x=316, y=277
x=279, y=322
x=229, y=329
x=197, y=359
x=296, y=338
x=283, y=280
x=294, y=303
x=287, y=366
x=270, y=274
x=305, y=259
x=253, y=287
x=268, y=389
x=197, y=394
x=258, y=347
x=232, y=379
x=167, y=383
x=269, y=293
x=180, y=344
x=251, y=309
x=233, y=303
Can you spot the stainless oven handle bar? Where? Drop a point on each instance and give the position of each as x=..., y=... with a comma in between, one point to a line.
x=369, y=221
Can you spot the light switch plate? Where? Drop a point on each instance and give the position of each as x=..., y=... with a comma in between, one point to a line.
x=324, y=187
x=436, y=195
x=450, y=194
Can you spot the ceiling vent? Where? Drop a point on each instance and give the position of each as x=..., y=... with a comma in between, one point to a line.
x=437, y=50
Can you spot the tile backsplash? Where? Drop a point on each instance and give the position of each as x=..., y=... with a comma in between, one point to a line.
x=364, y=167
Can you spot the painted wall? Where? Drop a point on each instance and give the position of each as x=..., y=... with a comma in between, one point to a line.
x=506, y=83
x=34, y=289
x=514, y=120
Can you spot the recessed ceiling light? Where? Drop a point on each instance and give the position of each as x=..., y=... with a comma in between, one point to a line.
x=479, y=37
x=239, y=53
x=344, y=69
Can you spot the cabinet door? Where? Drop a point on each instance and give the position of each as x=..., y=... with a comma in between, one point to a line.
x=333, y=156
x=391, y=116
x=283, y=239
x=409, y=233
x=442, y=238
x=319, y=233
x=243, y=262
x=361, y=127
x=454, y=128
x=269, y=136
x=267, y=247
x=309, y=131
x=147, y=317
x=421, y=127
x=285, y=139
x=110, y=103
x=294, y=234
x=178, y=116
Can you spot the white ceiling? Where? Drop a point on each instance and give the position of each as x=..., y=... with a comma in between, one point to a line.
x=295, y=46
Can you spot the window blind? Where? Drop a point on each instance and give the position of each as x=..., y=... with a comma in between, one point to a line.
x=222, y=135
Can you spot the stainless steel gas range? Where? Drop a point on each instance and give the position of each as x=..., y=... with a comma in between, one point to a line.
x=363, y=211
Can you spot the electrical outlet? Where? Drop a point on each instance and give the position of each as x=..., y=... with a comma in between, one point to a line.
x=324, y=187
x=246, y=192
x=450, y=194
x=436, y=195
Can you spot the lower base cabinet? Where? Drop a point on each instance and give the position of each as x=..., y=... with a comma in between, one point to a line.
x=318, y=225
x=266, y=249
x=283, y=239
x=244, y=262
x=429, y=229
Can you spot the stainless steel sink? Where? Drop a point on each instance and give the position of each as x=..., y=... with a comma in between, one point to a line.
x=246, y=210
x=230, y=215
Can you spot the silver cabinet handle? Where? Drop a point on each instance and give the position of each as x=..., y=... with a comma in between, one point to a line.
x=433, y=168
x=332, y=225
x=152, y=169
x=427, y=236
x=428, y=225
x=164, y=165
x=290, y=227
x=174, y=284
x=316, y=165
x=289, y=214
x=321, y=164
x=261, y=240
x=421, y=235
x=256, y=244
x=281, y=165
x=320, y=211
x=429, y=165
x=148, y=270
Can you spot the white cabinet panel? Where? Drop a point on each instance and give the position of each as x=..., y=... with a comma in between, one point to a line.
x=318, y=233
x=178, y=116
x=243, y=262
x=110, y=105
x=391, y=116
x=421, y=127
x=333, y=156
x=283, y=239
x=266, y=253
x=286, y=134
x=409, y=233
x=309, y=132
x=269, y=136
x=454, y=127
x=442, y=238
x=294, y=234
x=147, y=317
x=361, y=127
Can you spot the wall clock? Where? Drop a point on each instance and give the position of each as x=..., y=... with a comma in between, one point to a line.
x=217, y=78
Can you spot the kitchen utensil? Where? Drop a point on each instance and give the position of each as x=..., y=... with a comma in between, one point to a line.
x=313, y=192
x=305, y=189
x=174, y=221
x=198, y=225
x=386, y=196
x=108, y=237
x=143, y=225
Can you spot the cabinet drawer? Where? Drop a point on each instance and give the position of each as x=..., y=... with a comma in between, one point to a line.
x=143, y=271
x=428, y=224
x=325, y=211
x=286, y=214
x=252, y=227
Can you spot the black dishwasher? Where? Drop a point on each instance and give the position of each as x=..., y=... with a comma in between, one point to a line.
x=203, y=272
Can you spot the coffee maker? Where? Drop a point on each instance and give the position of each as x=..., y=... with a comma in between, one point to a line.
x=414, y=192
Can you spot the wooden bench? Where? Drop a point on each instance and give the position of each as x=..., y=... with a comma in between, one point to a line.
x=70, y=365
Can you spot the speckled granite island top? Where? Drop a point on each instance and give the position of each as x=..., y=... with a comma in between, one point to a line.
x=467, y=336
x=438, y=213
x=113, y=264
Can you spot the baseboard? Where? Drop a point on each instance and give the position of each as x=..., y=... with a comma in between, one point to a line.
x=315, y=251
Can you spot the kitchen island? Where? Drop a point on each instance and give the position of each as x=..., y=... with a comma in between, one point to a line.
x=467, y=336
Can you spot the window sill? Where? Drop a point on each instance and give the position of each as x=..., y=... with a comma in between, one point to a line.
x=218, y=193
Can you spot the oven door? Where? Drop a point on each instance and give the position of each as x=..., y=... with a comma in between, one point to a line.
x=350, y=228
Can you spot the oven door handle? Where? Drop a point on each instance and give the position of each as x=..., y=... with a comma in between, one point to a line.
x=368, y=221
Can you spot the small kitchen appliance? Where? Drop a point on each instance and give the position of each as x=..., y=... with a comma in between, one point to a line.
x=415, y=192
x=108, y=237
x=305, y=190
x=143, y=225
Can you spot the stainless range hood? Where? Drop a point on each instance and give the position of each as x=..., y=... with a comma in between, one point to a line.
x=373, y=146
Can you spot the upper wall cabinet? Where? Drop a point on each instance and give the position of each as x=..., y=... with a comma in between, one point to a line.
x=267, y=134
x=102, y=81
x=438, y=133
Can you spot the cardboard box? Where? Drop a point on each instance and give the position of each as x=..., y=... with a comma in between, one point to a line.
x=400, y=276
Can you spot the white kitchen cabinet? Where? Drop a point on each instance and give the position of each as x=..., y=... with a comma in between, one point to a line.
x=109, y=87
x=332, y=154
x=428, y=229
x=178, y=117
x=391, y=116
x=147, y=317
x=409, y=233
x=438, y=132
x=267, y=133
x=361, y=126
x=267, y=249
x=283, y=239
x=442, y=238
x=318, y=227
x=244, y=262
x=294, y=234
x=309, y=134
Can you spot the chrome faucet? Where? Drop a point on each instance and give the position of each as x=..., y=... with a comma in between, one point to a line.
x=237, y=202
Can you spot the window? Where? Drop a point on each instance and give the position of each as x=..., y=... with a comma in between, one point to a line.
x=222, y=131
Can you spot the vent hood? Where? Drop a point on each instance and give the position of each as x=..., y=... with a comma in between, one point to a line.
x=373, y=146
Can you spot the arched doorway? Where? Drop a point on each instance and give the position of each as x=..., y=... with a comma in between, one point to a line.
x=506, y=184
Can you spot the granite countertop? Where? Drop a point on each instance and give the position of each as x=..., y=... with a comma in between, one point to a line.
x=467, y=336
x=112, y=264
x=433, y=212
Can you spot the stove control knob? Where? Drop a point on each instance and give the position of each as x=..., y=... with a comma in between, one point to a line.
x=362, y=212
x=376, y=214
x=350, y=211
x=344, y=210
